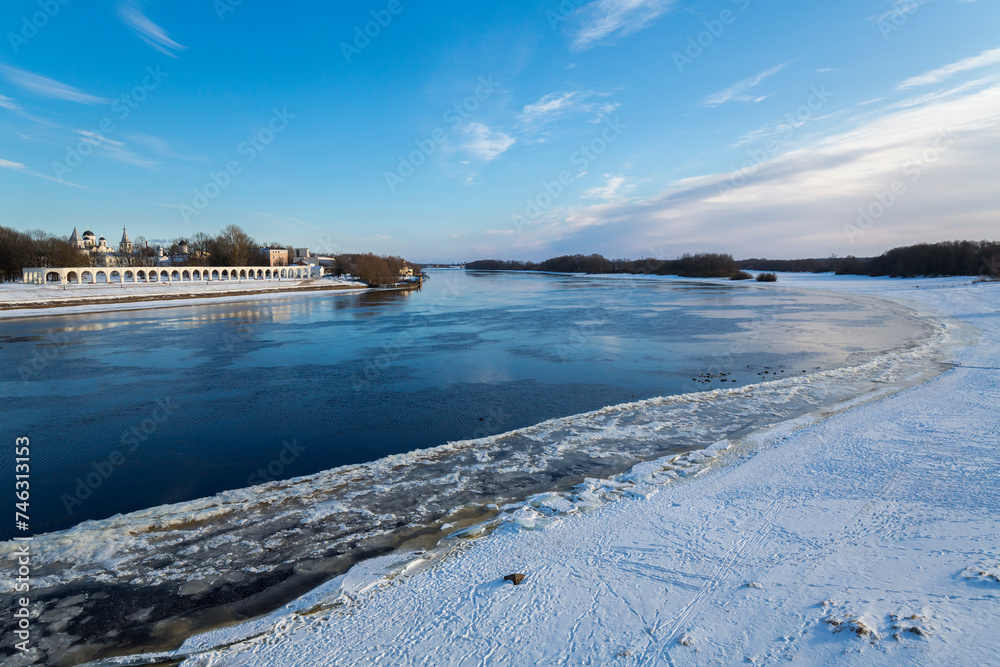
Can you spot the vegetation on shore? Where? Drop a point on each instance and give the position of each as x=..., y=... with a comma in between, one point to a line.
x=35, y=248
x=706, y=265
x=374, y=270
x=953, y=258
x=230, y=247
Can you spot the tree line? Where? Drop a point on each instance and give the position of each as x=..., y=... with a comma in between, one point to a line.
x=704, y=265
x=949, y=258
x=35, y=249
x=952, y=258
x=375, y=270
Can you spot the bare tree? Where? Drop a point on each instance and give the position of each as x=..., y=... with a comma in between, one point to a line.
x=236, y=247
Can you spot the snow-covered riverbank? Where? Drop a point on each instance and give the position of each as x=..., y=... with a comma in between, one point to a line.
x=25, y=300
x=867, y=538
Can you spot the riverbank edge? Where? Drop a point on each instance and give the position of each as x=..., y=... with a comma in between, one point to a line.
x=101, y=304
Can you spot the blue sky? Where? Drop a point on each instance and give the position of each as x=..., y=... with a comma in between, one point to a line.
x=457, y=131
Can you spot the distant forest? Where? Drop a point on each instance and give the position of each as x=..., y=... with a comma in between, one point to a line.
x=953, y=258
x=690, y=266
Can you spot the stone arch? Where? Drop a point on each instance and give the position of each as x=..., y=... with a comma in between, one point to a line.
x=53, y=277
x=72, y=277
x=164, y=277
x=175, y=275
x=115, y=277
x=260, y=274
x=152, y=277
x=225, y=274
x=129, y=277
x=267, y=274
x=140, y=275
x=86, y=277
x=186, y=275
x=243, y=274
x=100, y=277
x=215, y=275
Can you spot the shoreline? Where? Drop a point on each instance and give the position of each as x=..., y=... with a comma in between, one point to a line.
x=840, y=538
x=224, y=505
x=104, y=303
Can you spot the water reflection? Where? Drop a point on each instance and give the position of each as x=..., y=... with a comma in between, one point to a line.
x=355, y=377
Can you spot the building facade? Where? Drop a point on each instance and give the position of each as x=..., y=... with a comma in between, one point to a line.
x=179, y=274
x=275, y=256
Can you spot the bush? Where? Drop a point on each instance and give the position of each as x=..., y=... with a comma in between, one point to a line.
x=767, y=278
x=741, y=275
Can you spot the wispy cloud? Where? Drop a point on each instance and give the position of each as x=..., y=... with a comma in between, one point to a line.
x=114, y=149
x=7, y=164
x=9, y=104
x=533, y=118
x=606, y=19
x=484, y=143
x=132, y=15
x=739, y=92
x=551, y=105
x=46, y=87
x=802, y=201
x=23, y=169
x=938, y=75
x=613, y=189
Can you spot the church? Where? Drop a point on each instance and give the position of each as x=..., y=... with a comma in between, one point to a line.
x=101, y=254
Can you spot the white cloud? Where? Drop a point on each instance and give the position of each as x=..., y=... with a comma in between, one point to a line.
x=7, y=164
x=938, y=75
x=534, y=118
x=942, y=157
x=612, y=190
x=604, y=19
x=738, y=92
x=486, y=144
x=550, y=105
x=46, y=87
x=114, y=149
x=132, y=15
x=8, y=103
x=22, y=168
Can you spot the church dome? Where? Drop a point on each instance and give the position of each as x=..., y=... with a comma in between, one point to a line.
x=89, y=234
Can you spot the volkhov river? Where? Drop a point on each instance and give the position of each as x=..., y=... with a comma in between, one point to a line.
x=129, y=410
